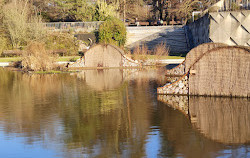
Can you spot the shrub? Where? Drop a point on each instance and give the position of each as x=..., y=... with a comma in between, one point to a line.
x=36, y=58
x=4, y=44
x=103, y=10
x=20, y=25
x=141, y=52
x=64, y=42
x=112, y=31
x=160, y=50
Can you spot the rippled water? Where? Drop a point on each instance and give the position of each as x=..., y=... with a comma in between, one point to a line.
x=114, y=113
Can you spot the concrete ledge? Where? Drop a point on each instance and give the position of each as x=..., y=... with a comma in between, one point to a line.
x=172, y=61
x=4, y=64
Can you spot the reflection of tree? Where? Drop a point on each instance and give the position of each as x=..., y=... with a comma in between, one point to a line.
x=25, y=103
x=123, y=128
x=97, y=122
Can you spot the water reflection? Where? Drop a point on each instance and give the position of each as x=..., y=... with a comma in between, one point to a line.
x=102, y=79
x=224, y=120
x=93, y=112
x=99, y=114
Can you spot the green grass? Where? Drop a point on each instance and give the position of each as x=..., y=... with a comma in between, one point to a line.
x=66, y=58
x=53, y=72
x=9, y=59
x=164, y=57
x=74, y=58
x=48, y=72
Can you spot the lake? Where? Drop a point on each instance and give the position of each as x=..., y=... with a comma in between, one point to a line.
x=115, y=113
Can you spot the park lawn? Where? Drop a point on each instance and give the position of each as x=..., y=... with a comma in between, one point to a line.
x=68, y=58
x=164, y=57
x=65, y=58
x=74, y=58
x=9, y=59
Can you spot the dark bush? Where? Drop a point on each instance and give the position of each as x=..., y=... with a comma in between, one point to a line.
x=63, y=43
x=112, y=31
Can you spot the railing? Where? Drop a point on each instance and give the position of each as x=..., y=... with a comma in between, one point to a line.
x=77, y=26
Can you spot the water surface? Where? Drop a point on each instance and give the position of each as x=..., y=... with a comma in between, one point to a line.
x=114, y=113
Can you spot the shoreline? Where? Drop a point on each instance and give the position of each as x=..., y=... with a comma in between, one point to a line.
x=164, y=61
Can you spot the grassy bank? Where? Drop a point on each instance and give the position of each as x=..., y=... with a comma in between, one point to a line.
x=65, y=58
x=73, y=58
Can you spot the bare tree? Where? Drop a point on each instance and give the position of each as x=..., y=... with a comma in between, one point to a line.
x=21, y=26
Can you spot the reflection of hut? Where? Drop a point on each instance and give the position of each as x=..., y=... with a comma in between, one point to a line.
x=225, y=120
x=103, y=79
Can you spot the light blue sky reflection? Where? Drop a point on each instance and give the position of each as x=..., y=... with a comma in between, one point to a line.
x=153, y=144
x=14, y=147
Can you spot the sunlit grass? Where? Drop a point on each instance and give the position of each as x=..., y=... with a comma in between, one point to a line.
x=9, y=59
x=65, y=58
x=68, y=58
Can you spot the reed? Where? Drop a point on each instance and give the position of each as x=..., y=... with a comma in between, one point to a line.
x=140, y=52
x=37, y=58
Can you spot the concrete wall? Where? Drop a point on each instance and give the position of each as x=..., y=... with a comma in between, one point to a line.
x=232, y=28
x=173, y=36
x=200, y=30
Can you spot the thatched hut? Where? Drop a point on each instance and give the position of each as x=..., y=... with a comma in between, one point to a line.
x=195, y=53
x=222, y=71
x=191, y=57
x=105, y=56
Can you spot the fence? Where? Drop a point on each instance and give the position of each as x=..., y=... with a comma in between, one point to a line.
x=76, y=26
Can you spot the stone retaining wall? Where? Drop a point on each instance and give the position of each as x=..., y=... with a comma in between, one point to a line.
x=175, y=101
x=179, y=87
x=177, y=71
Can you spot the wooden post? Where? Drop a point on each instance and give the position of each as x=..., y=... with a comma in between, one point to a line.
x=124, y=11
